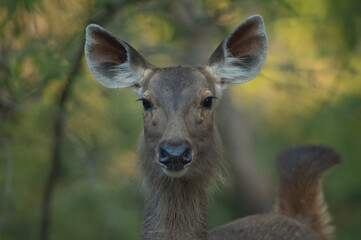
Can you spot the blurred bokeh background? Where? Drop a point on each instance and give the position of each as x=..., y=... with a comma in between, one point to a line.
x=68, y=145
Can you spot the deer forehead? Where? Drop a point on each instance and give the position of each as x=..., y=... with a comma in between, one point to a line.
x=175, y=87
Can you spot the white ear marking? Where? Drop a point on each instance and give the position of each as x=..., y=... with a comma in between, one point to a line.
x=229, y=70
x=125, y=76
x=219, y=89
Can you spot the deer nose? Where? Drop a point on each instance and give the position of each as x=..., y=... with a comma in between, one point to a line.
x=175, y=157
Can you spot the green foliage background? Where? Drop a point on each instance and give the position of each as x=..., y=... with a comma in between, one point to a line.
x=308, y=92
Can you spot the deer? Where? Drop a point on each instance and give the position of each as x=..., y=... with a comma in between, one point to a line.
x=179, y=152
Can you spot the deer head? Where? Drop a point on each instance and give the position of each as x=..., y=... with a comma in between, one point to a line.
x=179, y=137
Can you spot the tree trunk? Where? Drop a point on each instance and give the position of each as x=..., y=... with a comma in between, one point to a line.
x=252, y=188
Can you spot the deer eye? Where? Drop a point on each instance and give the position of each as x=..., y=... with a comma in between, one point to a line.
x=147, y=105
x=207, y=103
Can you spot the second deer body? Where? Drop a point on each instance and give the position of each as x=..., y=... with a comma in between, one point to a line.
x=179, y=151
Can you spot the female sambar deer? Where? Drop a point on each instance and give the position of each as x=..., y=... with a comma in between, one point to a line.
x=180, y=146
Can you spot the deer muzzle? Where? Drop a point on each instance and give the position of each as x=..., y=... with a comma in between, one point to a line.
x=175, y=157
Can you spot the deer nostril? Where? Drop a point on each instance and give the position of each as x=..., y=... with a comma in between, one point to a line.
x=163, y=153
x=187, y=155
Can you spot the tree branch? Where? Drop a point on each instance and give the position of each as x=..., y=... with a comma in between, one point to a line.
x=59, y=122
x=57, y=146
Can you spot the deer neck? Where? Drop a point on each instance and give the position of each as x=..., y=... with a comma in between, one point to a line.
x=175, y=209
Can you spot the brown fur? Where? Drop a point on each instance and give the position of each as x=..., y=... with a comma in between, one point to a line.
x=264, y=227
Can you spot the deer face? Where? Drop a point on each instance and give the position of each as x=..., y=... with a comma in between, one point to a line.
x=178, y=107
x=179, y=138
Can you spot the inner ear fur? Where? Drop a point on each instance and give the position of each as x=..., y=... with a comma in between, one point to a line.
x=242, y=54
x=105, y=48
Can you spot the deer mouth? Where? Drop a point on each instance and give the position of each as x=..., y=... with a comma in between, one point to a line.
x=175, y=167
x=174, y=173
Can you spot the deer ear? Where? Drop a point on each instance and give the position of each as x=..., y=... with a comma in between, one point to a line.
x=113, y=62
x=241, y=55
